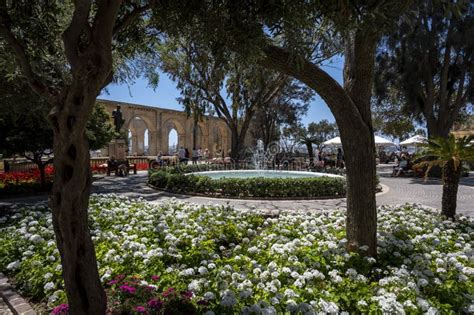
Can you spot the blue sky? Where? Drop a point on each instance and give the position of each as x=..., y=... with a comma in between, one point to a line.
x=166, y=93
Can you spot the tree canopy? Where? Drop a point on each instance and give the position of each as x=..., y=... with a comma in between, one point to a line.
x=224, y=85
x=428, y=62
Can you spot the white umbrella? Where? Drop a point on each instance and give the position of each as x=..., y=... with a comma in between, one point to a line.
x=382, y=142
x=379, y=141
x=415, y=140
x=333, y=141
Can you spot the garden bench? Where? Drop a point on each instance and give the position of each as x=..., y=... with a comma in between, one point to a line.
x=118, y=165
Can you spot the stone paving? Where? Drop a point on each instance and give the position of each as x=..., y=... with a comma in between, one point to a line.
x=400, y=191
x=4, y=310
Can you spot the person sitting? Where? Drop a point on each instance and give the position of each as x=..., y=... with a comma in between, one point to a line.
x=401, y=167
x=159, y=160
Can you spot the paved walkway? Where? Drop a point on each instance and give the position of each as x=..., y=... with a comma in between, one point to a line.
x=400, y=191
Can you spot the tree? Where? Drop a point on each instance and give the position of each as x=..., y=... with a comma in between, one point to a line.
x=99, y=130
x=293, y=38
x=26, y=130
x=65, y=53
x=315, y=134
x=391, y=121
x=428, y=62
x=286, y=109
x=449, y=153
x=205, y=78
x=24, y=127
x=323, y=130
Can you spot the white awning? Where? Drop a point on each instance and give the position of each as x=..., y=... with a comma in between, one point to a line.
x=379, y=141
x=415, y=140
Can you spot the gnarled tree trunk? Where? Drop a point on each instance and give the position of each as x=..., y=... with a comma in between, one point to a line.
x=69, y=201
x=351, y=108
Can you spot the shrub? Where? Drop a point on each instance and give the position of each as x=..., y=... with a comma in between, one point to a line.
x=235, y=261
x=258, y=187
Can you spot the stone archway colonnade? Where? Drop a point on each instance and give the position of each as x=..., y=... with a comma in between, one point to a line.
x=213, y=133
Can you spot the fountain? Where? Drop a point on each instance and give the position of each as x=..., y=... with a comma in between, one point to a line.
x=259, y=157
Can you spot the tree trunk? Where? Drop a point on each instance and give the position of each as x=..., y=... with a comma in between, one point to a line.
x=351, y=108
x=309, y=146
x=235, y=145
x=69, y=201
x=359, y=156
x=195, y=125
x=451, y=176
x=41, y=168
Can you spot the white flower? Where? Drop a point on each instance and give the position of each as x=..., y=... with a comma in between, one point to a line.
x=423, y=282
x=13, y=265
x=203, y=270
x=228, y=299
x=209, y=296
x=269, y=310
x=35, y=238
x=49, y=286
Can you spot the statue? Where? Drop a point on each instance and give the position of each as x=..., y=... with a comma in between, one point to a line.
x=118, y=121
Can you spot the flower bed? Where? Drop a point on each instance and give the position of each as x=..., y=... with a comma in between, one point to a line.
x=222, y=260
x=258, y=187
x=21, y=182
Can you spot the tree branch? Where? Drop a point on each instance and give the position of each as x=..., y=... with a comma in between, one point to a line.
x=130, y=17
x=329, y=89
x=72, y=35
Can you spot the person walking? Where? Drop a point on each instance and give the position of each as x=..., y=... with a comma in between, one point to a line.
x=195, y=156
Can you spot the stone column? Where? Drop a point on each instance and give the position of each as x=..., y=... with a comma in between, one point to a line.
x=152, y=142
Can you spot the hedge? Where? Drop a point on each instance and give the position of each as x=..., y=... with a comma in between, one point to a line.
x=257, y=187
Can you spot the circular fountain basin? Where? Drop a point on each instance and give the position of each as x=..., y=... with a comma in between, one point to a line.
x=261, y=173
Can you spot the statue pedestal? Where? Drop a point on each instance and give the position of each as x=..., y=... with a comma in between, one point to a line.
x=118, y=149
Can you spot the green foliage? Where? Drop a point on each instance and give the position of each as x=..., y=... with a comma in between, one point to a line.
x=284, y=262
x=99, y=130
x=390, y=120
x=249, y=187
x=426, y=63
x=443, y=150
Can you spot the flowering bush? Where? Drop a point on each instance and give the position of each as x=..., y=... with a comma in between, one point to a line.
x=24, y=181
x=222, y=260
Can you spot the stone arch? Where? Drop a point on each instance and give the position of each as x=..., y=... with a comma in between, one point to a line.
x=142, y=130
x=202, y=134
x=167, y=127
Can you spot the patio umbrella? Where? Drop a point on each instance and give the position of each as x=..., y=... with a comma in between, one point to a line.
x=414, y=141
x=379, y=141
x=382, y=142
x=333, y=141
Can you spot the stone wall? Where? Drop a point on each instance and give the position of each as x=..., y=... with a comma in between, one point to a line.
x=213, y=133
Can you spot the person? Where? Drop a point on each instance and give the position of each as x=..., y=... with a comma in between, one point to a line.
x=206, y=155
x=182, y=155
x=401, y=167
x=195, y=156
x=199, y=154
x=158, y=159
x=339, y=158
x=187, y=155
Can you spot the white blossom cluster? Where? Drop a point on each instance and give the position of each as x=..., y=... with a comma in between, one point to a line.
x=253, y=264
